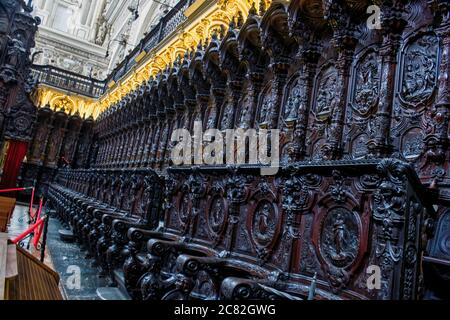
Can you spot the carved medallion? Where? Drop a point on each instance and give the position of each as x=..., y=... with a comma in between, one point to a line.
x=217, y=215
x=22, y=123
x=339, y=242
x=264, y=224
x=420, y=70
x=367, y=85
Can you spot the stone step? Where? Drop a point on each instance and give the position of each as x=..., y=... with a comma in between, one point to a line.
x=66, y=235
x=112, y=293
x=120, y=279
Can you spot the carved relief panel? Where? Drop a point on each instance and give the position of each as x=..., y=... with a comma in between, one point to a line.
x=320, y=116
x=227, y=111
x=364, y=100
x=265, y=107
x=294, y=96
x=414, y=120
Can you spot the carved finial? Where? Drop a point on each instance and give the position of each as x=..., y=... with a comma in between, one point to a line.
x=240, y=19
x=232, y=24
x=214, y=34
x=262, y=7
x=176, y=63
x=222, y=31
x=200, y=45
x=252, y=10
x=206, y=43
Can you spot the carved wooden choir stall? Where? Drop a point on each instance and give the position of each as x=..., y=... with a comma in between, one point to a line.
x=364, y=182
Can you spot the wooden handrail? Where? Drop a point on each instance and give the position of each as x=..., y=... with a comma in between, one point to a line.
x=3, y=262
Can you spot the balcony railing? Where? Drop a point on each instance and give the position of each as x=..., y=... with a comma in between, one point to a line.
x=165, y=27
x=70, y=81
x=94, y=88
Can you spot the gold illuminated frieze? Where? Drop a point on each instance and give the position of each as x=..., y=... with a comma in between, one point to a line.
x=203, y=18
x=71, y=103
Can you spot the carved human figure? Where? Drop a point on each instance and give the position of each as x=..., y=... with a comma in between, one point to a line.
x=339, y=237
x=184, y=209
x=326, y=97
x=293, y=103
x=101, y=34
x=367, y=82
x=16, y=51
x=216, y=215
x=264, y=224
x=420, y=70
x=266, y=107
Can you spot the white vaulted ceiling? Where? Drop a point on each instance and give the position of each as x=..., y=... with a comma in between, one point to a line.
x=76, y=34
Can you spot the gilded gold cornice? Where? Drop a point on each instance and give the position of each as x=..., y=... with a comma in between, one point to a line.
x=72, y=103
x=203, y=18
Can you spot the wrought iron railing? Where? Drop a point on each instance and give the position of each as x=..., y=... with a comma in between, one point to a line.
x=158, y=33
x=70, y=81
x=94, y=88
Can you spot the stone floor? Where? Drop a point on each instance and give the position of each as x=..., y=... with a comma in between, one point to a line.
x=65, y=258
x=19, y=224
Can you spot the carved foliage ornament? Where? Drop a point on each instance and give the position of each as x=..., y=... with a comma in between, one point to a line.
x=296, y=195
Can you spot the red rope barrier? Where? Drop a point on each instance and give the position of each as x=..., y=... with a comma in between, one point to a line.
x=31, y=202
x=14, y=190
x=36, y=228
x=30, y=230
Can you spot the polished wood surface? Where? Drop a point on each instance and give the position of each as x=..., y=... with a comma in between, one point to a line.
x=35, y=281
x=3, y=255
x=6, y=208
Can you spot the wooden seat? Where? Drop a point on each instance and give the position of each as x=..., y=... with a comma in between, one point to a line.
x=24, y=277
x=6, y=209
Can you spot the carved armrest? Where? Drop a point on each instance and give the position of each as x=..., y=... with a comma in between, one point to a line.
x=191, y=265
x=159, y=247
x=235, y=288
x=140, y=234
